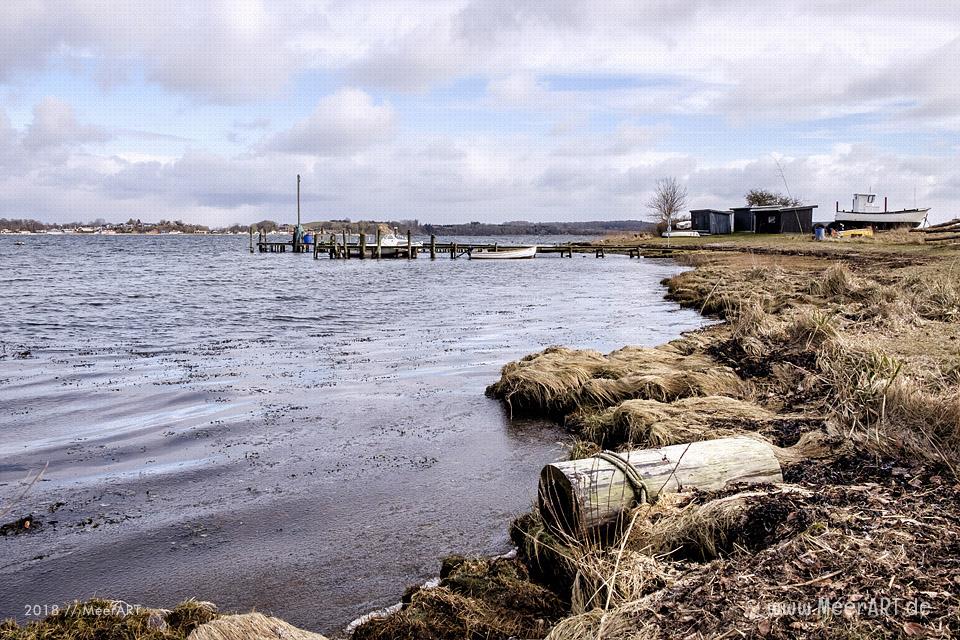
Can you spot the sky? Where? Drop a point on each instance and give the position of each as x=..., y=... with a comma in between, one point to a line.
x=464, y=110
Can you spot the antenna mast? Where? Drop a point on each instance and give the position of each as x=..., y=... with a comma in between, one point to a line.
x=787, y=187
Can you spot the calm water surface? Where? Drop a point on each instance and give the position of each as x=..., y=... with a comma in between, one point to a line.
x=268, y=431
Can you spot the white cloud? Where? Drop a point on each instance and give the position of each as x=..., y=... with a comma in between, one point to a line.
x=55, y=125
x=342, y=123
x=804, y=59
x=449, y=178
x=517, y=88
x=733, y=62
x=220, y=50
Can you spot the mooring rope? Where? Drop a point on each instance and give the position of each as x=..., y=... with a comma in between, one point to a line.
x=634, y=479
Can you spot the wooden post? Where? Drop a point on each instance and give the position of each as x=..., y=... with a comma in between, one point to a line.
x=379, y=242
x=316, y=246
x=333, y=246
x=363, y=245
x=251, y=238
x=433, y=247
x=346, y=251
x=580, y=494
x=409, y=246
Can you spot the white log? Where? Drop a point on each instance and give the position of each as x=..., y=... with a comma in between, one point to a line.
x=578, y=495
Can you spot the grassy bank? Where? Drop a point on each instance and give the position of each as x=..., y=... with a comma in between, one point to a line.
x=846, y=358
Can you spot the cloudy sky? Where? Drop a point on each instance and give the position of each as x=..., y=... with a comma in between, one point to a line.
x=470, y=110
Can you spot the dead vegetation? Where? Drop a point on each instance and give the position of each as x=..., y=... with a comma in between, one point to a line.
x=559, y=381
x=251, y=626
x=476, y=598
x=834, y=562
x=652, y=423
x=835, y=364
x=99, y=619
x=114, y=620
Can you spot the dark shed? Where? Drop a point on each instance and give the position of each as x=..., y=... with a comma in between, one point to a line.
x=784, y=219
x=743, y=218
x=712, y=221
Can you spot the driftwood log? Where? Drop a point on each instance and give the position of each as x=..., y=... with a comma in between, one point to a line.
x=577, y=495
x=937, y=228
x=943, y=237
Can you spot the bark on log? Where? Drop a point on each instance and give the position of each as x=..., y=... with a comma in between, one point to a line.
x=577, y=495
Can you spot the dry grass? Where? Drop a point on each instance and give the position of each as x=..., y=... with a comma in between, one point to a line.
x=772, y=546
x=559, y=381
x=870, y=512
x=114, y=620
x=546, y=381
x=604, y=577
x=651, y=423
x=688, y=529
x=251, y=626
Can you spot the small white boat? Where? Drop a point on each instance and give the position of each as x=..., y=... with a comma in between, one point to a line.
x=866, y=212
x=507, y=254
x=391, y=241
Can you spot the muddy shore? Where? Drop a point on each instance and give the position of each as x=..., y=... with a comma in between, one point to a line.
x=846, y=358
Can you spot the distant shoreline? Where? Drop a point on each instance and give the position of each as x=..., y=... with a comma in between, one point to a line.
x=164, y=227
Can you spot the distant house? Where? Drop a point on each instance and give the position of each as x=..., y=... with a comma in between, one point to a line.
x=712, y=221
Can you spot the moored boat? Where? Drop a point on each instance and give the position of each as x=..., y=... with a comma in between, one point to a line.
x=506, y=254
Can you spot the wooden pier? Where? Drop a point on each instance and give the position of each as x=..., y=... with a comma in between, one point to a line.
x=336, y=247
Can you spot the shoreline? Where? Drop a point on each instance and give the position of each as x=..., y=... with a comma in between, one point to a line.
x=794, y=322
x=839, y=410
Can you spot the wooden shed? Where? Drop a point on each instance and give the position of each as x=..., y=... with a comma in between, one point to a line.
x=712, y=221
x=743, y=219
x=783, y=219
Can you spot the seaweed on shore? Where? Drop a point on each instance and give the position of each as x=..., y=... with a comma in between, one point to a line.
x=113, y=620
x=477, y=598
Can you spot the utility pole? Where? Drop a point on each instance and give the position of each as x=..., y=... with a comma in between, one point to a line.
x=298, y=232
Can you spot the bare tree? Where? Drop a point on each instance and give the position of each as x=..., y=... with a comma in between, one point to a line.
x=667, y=202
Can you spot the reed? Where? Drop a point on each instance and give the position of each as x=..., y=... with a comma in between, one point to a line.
x=559, y=381
x=651, y=423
